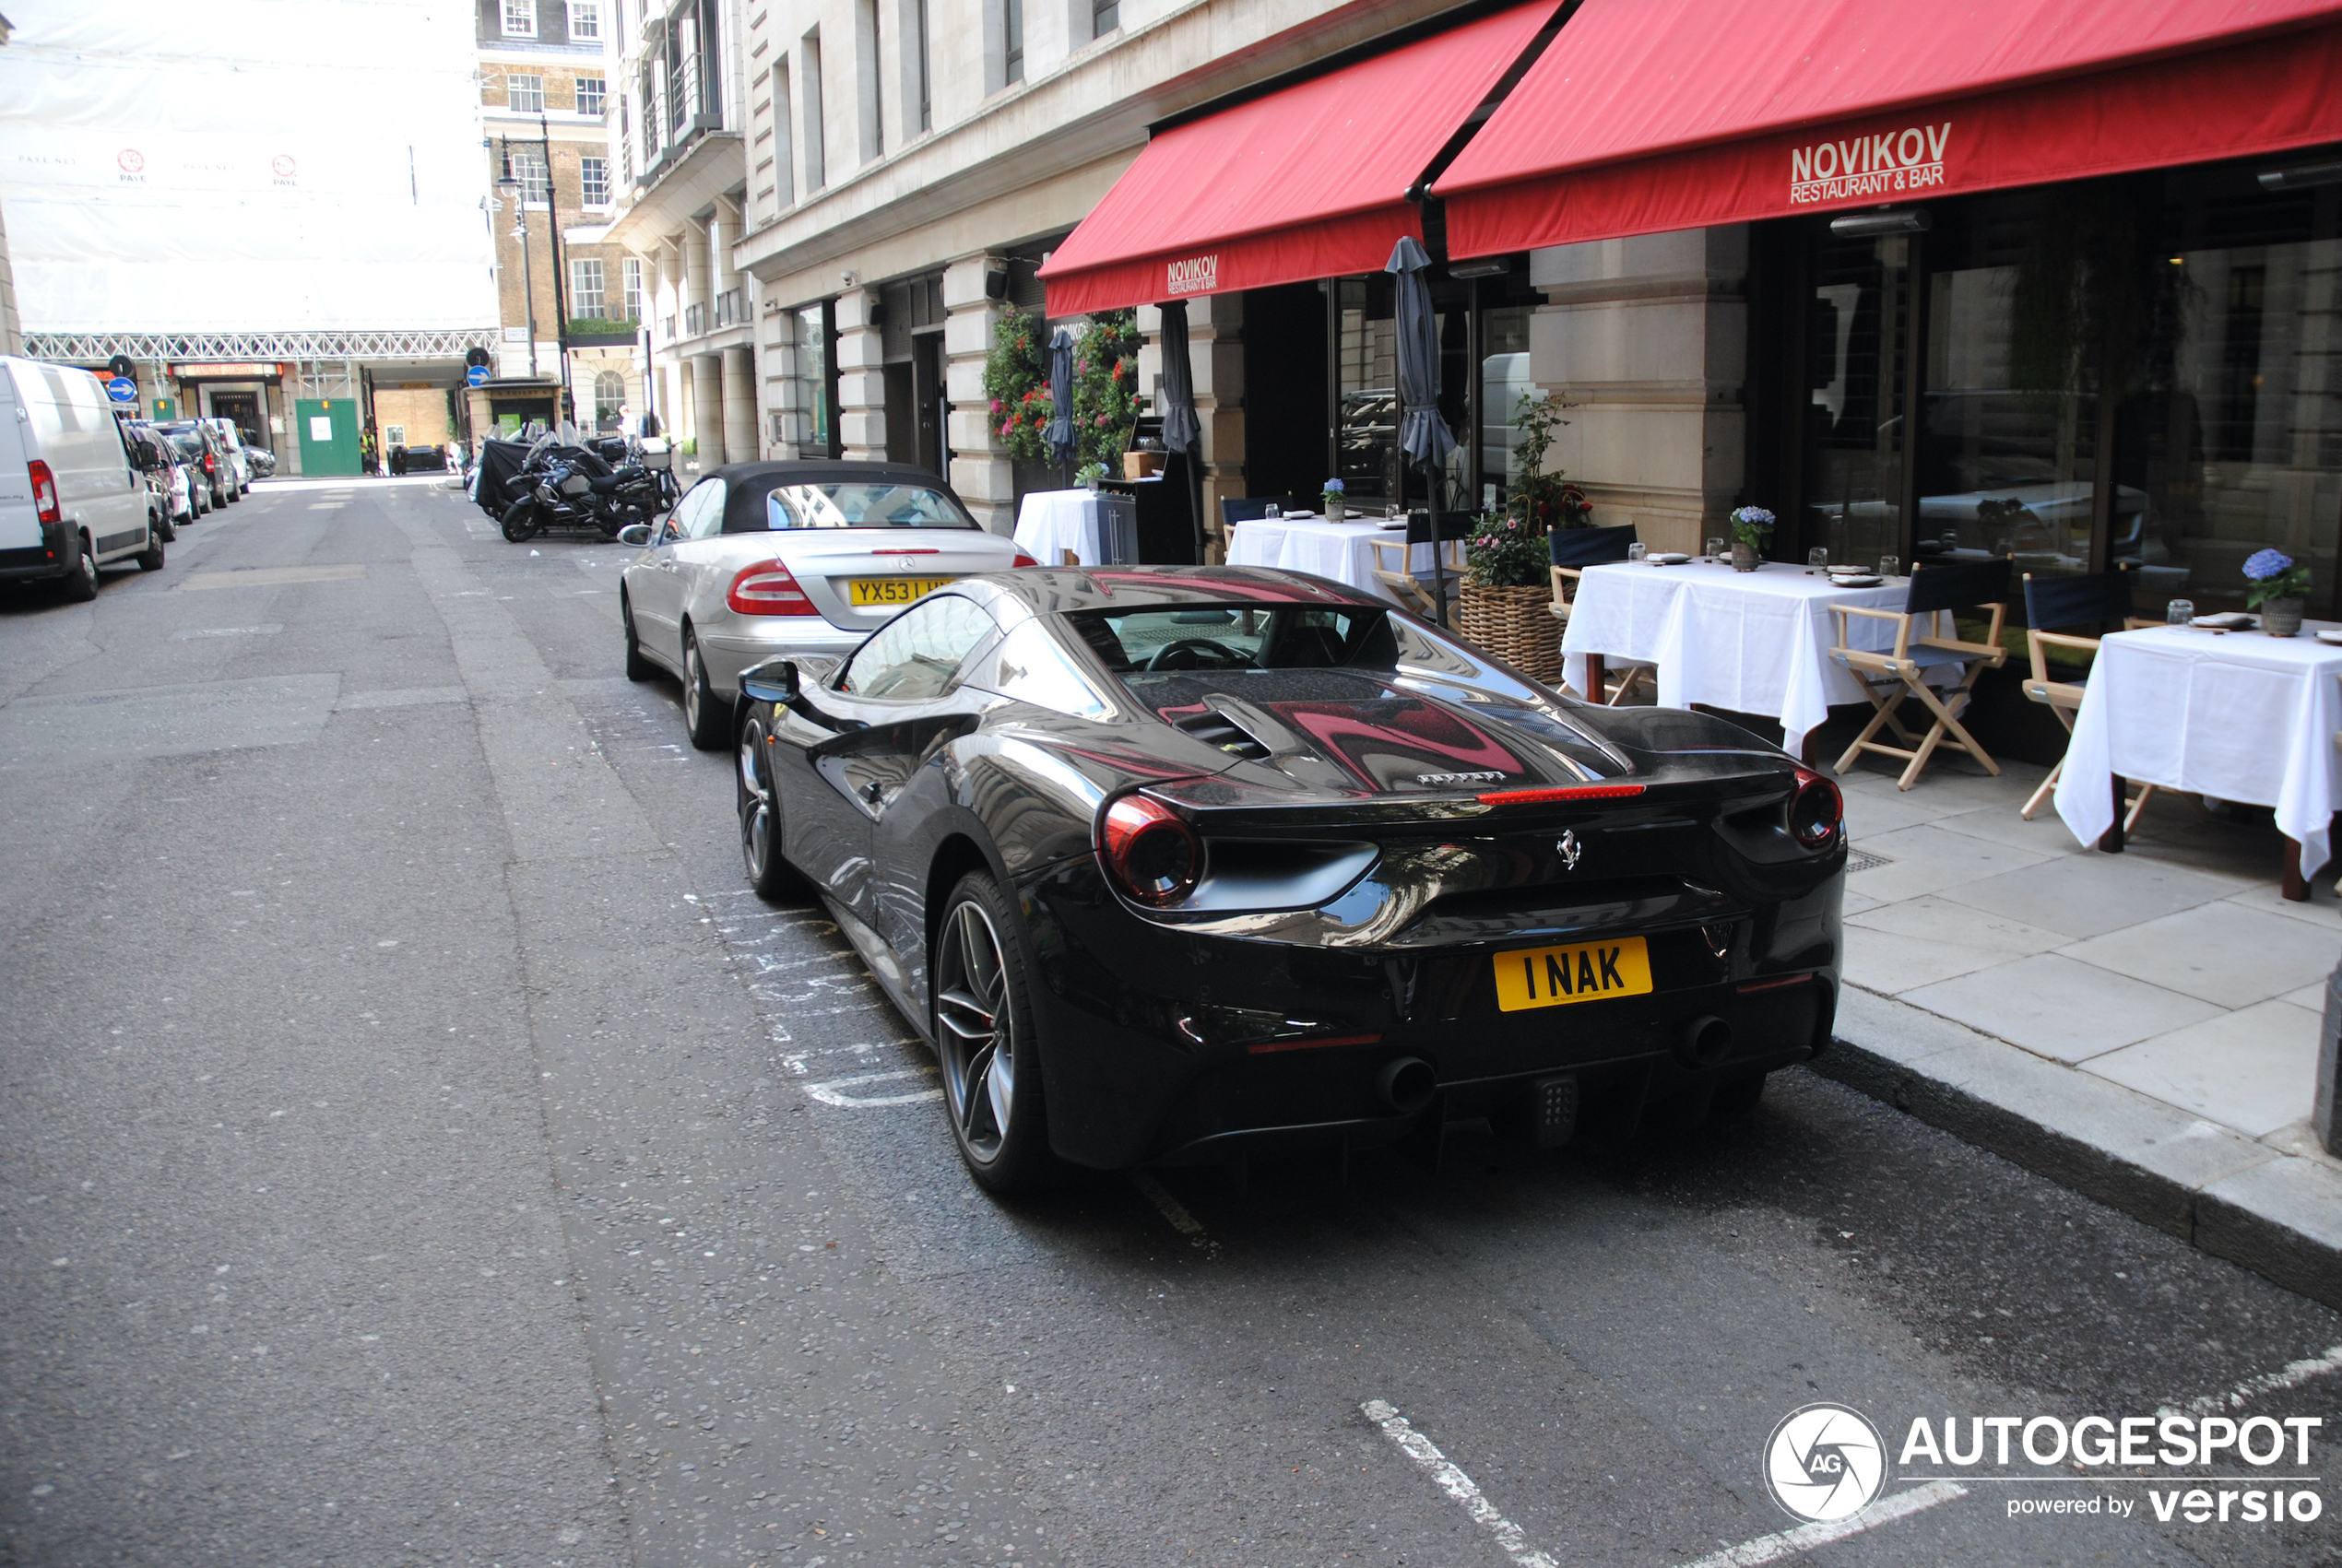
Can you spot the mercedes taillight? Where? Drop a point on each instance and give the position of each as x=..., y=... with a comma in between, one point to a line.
x=767, y=588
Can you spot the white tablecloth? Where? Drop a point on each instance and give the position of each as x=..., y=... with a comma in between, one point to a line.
x=1746, y=642
x=2239, y=717
x=1049, y=523
x=1343, y=551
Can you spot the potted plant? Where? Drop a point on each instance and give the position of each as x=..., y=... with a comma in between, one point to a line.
x=1333, y=500
x=1507, y=592
x=1752, y=531
x=1541, y=499
x=2276, y=585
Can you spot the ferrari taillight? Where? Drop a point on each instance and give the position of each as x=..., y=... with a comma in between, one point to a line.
x=1816, y=812
x=1150, y=850
x=1564, y=792
x=44, y=492
x=767, y=588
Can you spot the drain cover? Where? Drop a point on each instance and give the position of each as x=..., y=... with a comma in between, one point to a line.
x=1864, y=860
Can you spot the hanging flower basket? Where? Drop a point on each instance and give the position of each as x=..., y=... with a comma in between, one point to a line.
x=1516, y=624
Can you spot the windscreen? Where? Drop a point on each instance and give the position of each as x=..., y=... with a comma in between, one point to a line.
x=1236, y=637
x=841, y=503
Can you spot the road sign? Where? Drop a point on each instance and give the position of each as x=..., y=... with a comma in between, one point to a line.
x=121, y=389
x=477, y=375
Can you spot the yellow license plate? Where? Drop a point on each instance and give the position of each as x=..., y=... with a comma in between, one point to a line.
x=870, y=591
x=1547, y=977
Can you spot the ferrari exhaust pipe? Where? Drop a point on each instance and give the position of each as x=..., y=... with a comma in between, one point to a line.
x=1706, y=1041
x=1406, y=1084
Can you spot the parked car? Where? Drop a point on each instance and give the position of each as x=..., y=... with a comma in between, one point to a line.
x=1171, y=863
x=232, y=449
x=426, y=458
x=765, y=558
x=215, y=476
x=262, y=461
x=158, y=466
x=180, y=477
x=73, y=498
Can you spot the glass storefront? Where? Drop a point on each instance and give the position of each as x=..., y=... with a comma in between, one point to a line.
x=816, y=432
x=2141, y=372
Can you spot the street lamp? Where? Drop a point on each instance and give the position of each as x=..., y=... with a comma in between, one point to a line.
x=509, y=188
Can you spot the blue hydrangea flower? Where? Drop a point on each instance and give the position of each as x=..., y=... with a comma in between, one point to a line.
x=2262, y=565
x=1333, y=487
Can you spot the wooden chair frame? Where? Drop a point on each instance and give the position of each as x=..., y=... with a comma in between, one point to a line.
x=1891, y=678
x=2064, y=699
x=1411, y=589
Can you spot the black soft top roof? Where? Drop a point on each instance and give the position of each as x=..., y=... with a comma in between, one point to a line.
x=747, y=485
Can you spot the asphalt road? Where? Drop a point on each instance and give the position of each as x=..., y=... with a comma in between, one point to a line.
x=416, y=1147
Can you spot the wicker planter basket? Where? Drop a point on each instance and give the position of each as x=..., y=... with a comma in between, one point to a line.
x=1516, y=624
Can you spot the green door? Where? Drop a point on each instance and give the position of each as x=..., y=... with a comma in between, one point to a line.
x=328, y=435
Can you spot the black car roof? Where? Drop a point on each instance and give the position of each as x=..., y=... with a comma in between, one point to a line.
x=1069, y=590
x=749, y=483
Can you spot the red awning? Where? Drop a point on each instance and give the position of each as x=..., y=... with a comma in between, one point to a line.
x=1308, y=181
x=1649, y=115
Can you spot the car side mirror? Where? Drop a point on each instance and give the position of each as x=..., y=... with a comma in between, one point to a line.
x=774, y=680
x=635, y=534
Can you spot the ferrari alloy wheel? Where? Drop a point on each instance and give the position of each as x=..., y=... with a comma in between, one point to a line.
x=701, y=713
x=985, y=1039
x=773, y=878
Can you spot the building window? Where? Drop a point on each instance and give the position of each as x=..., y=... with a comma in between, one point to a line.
x=585, y=18
x=1013, y=39
x=529, y=168
x=585, y=287
x=593, y=181
x=394, y=435
x=520, y=18
x=525, y=94
x=868, y=45
x=1105, y=17
x=591, y=92
x=610, y=397
x=631, y=271
x=924, y=73
x=816, y=171
x=813, y=383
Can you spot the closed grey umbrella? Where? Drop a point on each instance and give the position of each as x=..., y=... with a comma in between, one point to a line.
x=1063, y=441
x=1423, y=434
x=1182, y=432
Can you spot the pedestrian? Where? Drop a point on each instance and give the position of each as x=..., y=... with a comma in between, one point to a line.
x=397, y=462
x=366, y=459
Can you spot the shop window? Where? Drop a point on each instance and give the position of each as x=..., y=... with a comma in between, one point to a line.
x=1365, y=426
x=524, y=94
x=1858, y=321
x=1504, y=382
x=816, y=433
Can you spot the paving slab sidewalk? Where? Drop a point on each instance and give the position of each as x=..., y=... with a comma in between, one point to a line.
x=2141, y=1028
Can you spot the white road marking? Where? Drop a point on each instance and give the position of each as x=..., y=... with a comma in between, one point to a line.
x=1173, y=1210
x=1455, y=1484
x=2294, y=1375
x=829, y=1093
x=1805, y=1538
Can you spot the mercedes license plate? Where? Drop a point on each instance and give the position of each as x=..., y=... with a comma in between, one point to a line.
x=1585, y=972
x=870, y=592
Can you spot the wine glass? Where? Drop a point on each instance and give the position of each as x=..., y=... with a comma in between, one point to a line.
x=1888, y=566
x=1276, y=510
x=1638, y=550
x=2179, y=612
x=1715, y=549
x=1816, y=560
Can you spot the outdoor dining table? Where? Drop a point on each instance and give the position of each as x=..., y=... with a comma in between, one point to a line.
x=2237, y=716
x=1745, y=642
x=1343, y=551
x=1050, y=523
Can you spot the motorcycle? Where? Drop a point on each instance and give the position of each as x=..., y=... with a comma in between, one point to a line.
x=603, y=485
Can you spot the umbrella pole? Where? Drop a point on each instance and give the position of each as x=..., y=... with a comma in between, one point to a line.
x=1438, y=555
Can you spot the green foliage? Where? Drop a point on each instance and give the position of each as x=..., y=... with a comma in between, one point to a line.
x=1106, y=389
x=1542, y=500
x=601, y=326
x=1507, y=552
x=1752, y=527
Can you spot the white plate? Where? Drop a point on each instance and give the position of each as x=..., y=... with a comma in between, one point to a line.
x=2331, y=634
x=2231, y=620
x=1850, y=582
x=1668, y=557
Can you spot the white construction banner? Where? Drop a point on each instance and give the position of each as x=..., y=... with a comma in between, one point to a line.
x=244, y=165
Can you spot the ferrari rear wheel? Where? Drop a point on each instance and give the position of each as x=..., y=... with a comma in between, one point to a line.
x=986, y=1042
x=773, y=878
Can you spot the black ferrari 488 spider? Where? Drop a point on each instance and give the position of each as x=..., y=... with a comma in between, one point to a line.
x=1168, y=862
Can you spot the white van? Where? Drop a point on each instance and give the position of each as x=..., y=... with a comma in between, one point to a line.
x=71, y=496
